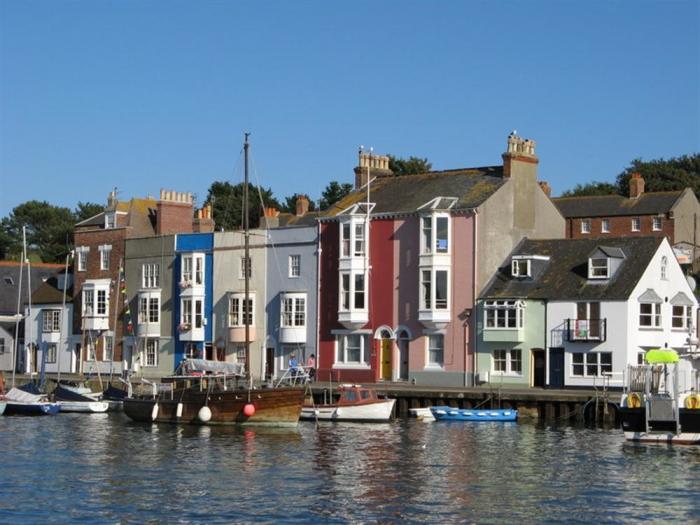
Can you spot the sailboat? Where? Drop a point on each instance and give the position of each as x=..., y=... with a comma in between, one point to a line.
x=215, y=392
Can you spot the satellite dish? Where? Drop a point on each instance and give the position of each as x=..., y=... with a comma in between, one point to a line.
x=691, y=282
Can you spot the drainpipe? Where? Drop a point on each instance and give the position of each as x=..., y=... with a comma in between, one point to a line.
x=318, y=297
x=472, y=318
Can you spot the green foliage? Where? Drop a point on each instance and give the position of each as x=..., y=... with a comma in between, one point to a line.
x=290, y=203
x=85, y=210
x=410, y=166
x=592, y=188
x=664, y=175
x=49, y=231
x=333, y=193
x=227, y=204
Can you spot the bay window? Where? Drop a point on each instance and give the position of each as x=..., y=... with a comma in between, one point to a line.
x=352, y=291
x=51, y=321
x=503, y=314
x=434, y=287
x=435, y=237
x=293, y=312
x=239, y=312
x=149, y=309
x=508, y=362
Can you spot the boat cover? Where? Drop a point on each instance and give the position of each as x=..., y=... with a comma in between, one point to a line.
x=112, y=393
x=216, y=367
x=20, y=396
x=31, y=388
x=62, y=393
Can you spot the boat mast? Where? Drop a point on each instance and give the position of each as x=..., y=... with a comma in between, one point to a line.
x=63, y=319
x=246, y=262
x=15, y=349
x=29, y=297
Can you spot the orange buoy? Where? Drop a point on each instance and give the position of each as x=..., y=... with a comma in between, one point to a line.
x=249, y=410
x=633, y=400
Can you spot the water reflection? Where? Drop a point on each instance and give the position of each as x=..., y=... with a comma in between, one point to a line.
x=108, y=469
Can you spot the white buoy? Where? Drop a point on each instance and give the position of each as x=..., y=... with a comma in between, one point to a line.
x=178, y=412
x=154, y=412
x=204, y=414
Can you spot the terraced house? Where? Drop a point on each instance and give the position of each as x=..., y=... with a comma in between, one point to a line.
x=575, y=312
x=403, y=260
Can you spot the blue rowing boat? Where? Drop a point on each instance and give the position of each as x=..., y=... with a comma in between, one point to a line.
x=445, y=413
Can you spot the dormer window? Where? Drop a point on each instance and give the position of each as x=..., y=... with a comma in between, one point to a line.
x=110, y=221
x=353, y=237
x=435, y=236
x=520, y=268
x=598, y=268
x=359, y=240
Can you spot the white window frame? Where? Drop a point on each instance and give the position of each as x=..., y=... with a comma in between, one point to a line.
x=595, y=270
x=345, y=239
x=191, y=350
x=430, y=241
x=435, y=350
x=428, y=289
x=51, y=320
x=97, y=297
x=605, y=226
x=341, y=350
x=51, y=352
x=685, y=316
x=150, y=275
x=186, y=306
x=664, y=268
x=2, y=345
x=507, y=358
x=657, y=224
x=236, y=309
x=504, y=315
x=351, y=293
x=353, y=237
x=149, y=309
x=521, y=268
x=150, y=351
x=587, y=360
x=192, y=271
x=636, y=224
x=293, y=310
x=654, y=316
x=294, y=266
x=585, y=225
x=105, y=254
x=107, y=348
x=110, y=221
x=82, y=257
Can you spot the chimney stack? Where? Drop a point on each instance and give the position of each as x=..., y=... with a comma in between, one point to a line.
x=520, y=153
x=272, y=218
x=302, y=205
x=636, y=186
x=376, y=165
x=203, y=221
x=175, y=212
x=546, y=188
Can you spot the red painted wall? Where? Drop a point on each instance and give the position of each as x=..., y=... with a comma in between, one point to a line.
x=381, y=284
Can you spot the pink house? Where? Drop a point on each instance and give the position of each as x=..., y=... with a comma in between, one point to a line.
x=402, y=265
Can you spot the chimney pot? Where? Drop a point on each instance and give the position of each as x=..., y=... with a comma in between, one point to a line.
x=302, y=205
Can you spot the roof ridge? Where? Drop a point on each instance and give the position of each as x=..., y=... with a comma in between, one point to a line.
x=34, y=264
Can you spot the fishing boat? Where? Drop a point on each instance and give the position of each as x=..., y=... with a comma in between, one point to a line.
x=661, y=401
x=216, y=392
x=447, y=413
x=355, y=403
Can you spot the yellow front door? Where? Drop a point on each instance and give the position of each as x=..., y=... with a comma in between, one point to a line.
x=386, y=359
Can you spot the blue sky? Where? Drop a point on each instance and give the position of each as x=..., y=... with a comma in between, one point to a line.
x=144, y=95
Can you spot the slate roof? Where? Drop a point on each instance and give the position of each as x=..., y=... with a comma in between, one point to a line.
x=565, y=276
x=290, y=219
x=405, y=194
x=616, y=205
x=141, y=216
x=9, y=282
x=50, y=293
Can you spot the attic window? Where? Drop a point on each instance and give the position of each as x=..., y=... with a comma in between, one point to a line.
x=598, y=268
x=520, y=268
x=110, y=221
x=8, y=280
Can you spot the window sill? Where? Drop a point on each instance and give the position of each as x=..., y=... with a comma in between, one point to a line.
x=351, y=366
x=651, y=329
x=434, y=368
x=506, y=374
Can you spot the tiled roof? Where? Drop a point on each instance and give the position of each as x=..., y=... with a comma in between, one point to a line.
x=290, y=219
x=617, y=205
x=565, y=276
x=50, y=293
x=141, y=215
x=407, y=193
x=9, y=282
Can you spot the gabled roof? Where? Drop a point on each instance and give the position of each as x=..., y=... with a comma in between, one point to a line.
x=9, y=282
x=141, y=216
x=616, y=205
x=566, y=275
x=50, y=293
x=407, y=193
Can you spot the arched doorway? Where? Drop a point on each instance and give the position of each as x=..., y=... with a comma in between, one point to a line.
x=402, y=339
x=386, y=352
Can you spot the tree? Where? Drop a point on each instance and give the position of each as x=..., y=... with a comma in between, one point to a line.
x=664, y=175
x=333, y=193
x=592, y=188
x=410, y=166
x=227, y=204
x=290, y=204
x=49, y=231
x=85, y=210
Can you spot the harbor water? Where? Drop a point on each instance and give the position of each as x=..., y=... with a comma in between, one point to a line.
x=73, y=468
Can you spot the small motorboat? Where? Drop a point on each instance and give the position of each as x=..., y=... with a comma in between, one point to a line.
x=356, y=403
x=446, y=413
x=71, y=400
x=422, y=414
x=20, y=402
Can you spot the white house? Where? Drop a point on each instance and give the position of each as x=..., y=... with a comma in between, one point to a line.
x=607, y=301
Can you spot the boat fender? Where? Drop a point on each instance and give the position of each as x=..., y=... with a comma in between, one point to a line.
x=249, y=410
x=154, y=412
x=178, y=411
x=204, y=414
x=633, y=400
x=692, y=402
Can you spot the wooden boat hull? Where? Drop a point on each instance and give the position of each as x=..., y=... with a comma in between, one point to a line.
x=31, y=409
x=369, y=412
x=273, y=407
x=446, y=413
x=84, y=407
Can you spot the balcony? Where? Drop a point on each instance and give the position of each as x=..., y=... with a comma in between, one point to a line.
x=586, y=330
x=504, y=335
x=292, y=334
